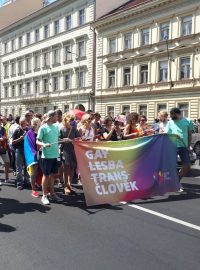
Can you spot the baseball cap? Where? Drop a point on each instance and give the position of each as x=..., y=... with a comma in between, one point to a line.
x=50, y=114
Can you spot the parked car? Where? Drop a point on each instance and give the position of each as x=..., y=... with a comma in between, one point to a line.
x=196, y=143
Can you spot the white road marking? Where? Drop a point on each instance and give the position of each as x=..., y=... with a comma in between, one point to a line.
x=179, y=221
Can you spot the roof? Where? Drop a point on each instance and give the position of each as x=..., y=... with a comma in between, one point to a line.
x=128, y=5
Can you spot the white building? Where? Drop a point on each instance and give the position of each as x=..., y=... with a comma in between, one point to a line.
x=48, y=58
x=148, y=58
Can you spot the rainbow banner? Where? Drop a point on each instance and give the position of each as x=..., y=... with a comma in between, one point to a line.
x=127, y=170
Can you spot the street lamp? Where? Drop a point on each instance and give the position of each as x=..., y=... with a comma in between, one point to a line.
x=79, y=72
x=169, y=60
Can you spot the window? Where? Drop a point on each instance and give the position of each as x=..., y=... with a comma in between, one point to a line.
x=127, y=76
x=163, y=71
x=28, y=39
x=44, y=109
x=68, y=53
x=186, y=24
x=37, y=35
x=55, y=108
x=81, y=48
x=6, y=91
x=184, y=108
x=36, y=86
x=185, y=68
x=128, y=41
x=68, y=22
x=56, y=27
x=13, y=91
x=164, y=31
x=66, y=108
x=111, y=78
x=144, y=74
x=46, y=59
x=46, y=31
x=67, y=82
x=20, y=66
x=13, y=70
x=111, y=111
x=56, y=56
x=55, y=83
x=36, y=61
x=20, y=42
x=161, y=107
x=12, y=45
x=13, y=111
x=143, y=110
x=20, y=111
x=46, y=85
x=6, y=72
x=20, y=89
x=81, y=16
x=28, y=88
x=5, y=47
x=28, y=64
x=145, y=36
x=112, y=45
x=80, y=78
x=126, y=109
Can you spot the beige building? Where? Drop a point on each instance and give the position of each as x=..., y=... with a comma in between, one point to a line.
x=48, y=57
x=148, y=58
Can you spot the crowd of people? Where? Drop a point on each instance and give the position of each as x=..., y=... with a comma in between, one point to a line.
x=39, y=148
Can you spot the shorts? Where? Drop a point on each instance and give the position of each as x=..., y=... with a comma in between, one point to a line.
x=5, y=158
x=49, y=166
x=183, y=153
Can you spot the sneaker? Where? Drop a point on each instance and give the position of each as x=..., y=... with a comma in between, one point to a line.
x=35, y=194
x=44, y=200
x=20, y=187
x=60, y=185
x=181, y=189
x=56, y=198
x=0, y=183
x=6, y=181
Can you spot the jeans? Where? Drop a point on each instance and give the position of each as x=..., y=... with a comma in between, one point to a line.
x=20, y=168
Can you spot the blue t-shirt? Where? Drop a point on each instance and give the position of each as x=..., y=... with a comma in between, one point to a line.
x=49, y=134
x=181, y=128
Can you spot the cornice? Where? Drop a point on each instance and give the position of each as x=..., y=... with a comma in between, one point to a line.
x=130, y=12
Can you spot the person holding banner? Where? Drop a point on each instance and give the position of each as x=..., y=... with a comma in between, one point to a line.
x=182, y=127
x=85, y=128
x=47, y=137
x=131, y=131
x=68, y=133
x=109, y=130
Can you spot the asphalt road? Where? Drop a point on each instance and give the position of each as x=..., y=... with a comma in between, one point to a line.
x=71, y=236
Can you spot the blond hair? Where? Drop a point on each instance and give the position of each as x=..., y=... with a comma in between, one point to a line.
x=66, y=119
x=163, y=113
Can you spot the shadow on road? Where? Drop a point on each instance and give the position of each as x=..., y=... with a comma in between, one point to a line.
x=11, y=206
x=191, y=192
x=78, y=200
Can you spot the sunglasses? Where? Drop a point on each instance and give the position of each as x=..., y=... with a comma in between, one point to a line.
x=142, y=120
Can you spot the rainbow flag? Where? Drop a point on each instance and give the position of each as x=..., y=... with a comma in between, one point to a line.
x=30, y=148
x=127, y=170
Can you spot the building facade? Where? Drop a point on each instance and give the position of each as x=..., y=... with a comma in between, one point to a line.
x=148, y=58
x=48, y=58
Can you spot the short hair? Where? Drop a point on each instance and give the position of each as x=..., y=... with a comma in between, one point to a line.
x=107, y=119
x=175, y=110
x=163, y=113
x=22, y=119
x=36, y=120
x=17, y=118
x=143, y=116
x=58, y=112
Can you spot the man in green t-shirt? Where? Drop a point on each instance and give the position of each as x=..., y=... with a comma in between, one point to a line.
x=48, y=135
x=182, y=127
